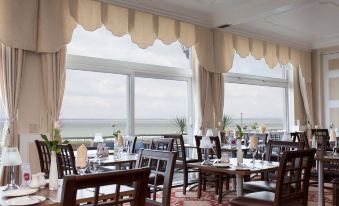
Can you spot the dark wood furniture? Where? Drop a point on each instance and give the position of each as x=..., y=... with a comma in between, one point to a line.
x=216, y=178
x=262, y=137
x=161, y=164
x=274, y=151
x=136, y=177
x=44, y=156
x=335, y=183
x=292, y=182
x=238, y=173
x=182, y=161
x=66, y=161
x=165, y=144
x=215, y=152
x=300, y=137
x=322, y=137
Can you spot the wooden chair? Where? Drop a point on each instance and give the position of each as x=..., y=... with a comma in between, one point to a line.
x=161, y=164
x=182, y=161
x=44, y=156
x=331, y=169
x=335, y=183
x=116, y=180
x=213, y=153
x=262, y=138
x=165, y=144
x=292, y=182
x=66, y=161
x=300, y=137
x=274, y=151
x=217, y=179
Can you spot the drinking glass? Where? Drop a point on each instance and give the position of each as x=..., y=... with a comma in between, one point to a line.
x=81, y=169
x=261, y=152
x=253, y=151
x=333, y=146
x=94, y=165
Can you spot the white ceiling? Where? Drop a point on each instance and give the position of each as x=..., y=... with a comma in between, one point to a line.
x=301, y=23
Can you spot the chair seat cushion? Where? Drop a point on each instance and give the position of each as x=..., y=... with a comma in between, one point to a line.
x=256, y=186
x=255, y=199
x=259, y=198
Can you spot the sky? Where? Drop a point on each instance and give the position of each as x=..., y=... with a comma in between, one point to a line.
x=99, y=96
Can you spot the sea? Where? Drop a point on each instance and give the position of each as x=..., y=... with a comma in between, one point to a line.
x=79, y=128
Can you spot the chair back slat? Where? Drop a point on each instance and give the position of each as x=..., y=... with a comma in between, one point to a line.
x=165, y=144
x=293, y=176
x=215, y=152
x=300, y=137
x=66, y=160
x=44, y=156
x=161, y=164
x=136, y=177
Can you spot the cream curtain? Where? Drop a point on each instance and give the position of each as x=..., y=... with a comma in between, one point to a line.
x=209, y=96
x=47, y=26
x=11, y=64
x=53, y=76
x=306, y=86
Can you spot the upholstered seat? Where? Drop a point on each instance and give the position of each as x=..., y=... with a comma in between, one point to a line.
x=260, y=198
x=259, y=186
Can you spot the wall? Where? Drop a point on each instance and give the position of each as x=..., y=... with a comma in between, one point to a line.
x=31, y=111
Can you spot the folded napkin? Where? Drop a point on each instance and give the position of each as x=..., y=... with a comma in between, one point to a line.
x=81, y=160
x=254, y=141
x=120, y=140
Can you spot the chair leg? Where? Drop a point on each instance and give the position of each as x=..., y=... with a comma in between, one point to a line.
x=185, y=182
x=200, y=182
x=220, y=189
x=227, y=183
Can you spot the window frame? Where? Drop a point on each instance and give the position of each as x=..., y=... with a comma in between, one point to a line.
x=238, y=78
x=133, y=70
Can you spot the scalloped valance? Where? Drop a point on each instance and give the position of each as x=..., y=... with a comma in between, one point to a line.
x=47, y=26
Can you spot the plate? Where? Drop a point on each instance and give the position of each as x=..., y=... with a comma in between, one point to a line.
x=26, y=200
x=222, y=164
x=19, y=192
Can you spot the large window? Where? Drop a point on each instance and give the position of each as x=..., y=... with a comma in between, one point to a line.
x=157, y=103
x=256, y=93
x=93, y=102
x=110, y=80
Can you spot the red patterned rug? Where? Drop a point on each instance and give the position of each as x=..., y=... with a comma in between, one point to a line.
x=210, y=199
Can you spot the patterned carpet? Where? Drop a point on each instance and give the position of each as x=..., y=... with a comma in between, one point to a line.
x=210, y=199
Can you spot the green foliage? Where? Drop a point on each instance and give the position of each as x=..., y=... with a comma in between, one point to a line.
x=180, y=124
x=53, y=144
x=254, y=126
x=241, y=131
x=115, y=131
x=226, y=121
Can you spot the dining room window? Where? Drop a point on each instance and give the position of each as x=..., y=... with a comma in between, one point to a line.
x=93, y=102
x=141, y=91
x=255, y=93
x=159, y=104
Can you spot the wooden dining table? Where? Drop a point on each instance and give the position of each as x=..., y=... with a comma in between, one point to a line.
x=239, y=172
x=53, y=197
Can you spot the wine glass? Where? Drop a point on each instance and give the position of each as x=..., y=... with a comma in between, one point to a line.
x=94, y=165
x=253, y=151
x=81, y=169
x=333, y=146
x=261, y=152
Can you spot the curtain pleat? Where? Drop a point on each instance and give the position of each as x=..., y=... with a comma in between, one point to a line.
x=53, y=76
x=11, y=64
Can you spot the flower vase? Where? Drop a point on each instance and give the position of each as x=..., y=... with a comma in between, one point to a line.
x=53, y=172
x=240, y=154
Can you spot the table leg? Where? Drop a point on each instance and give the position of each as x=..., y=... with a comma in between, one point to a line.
x=239, y=181
x=320, y=168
